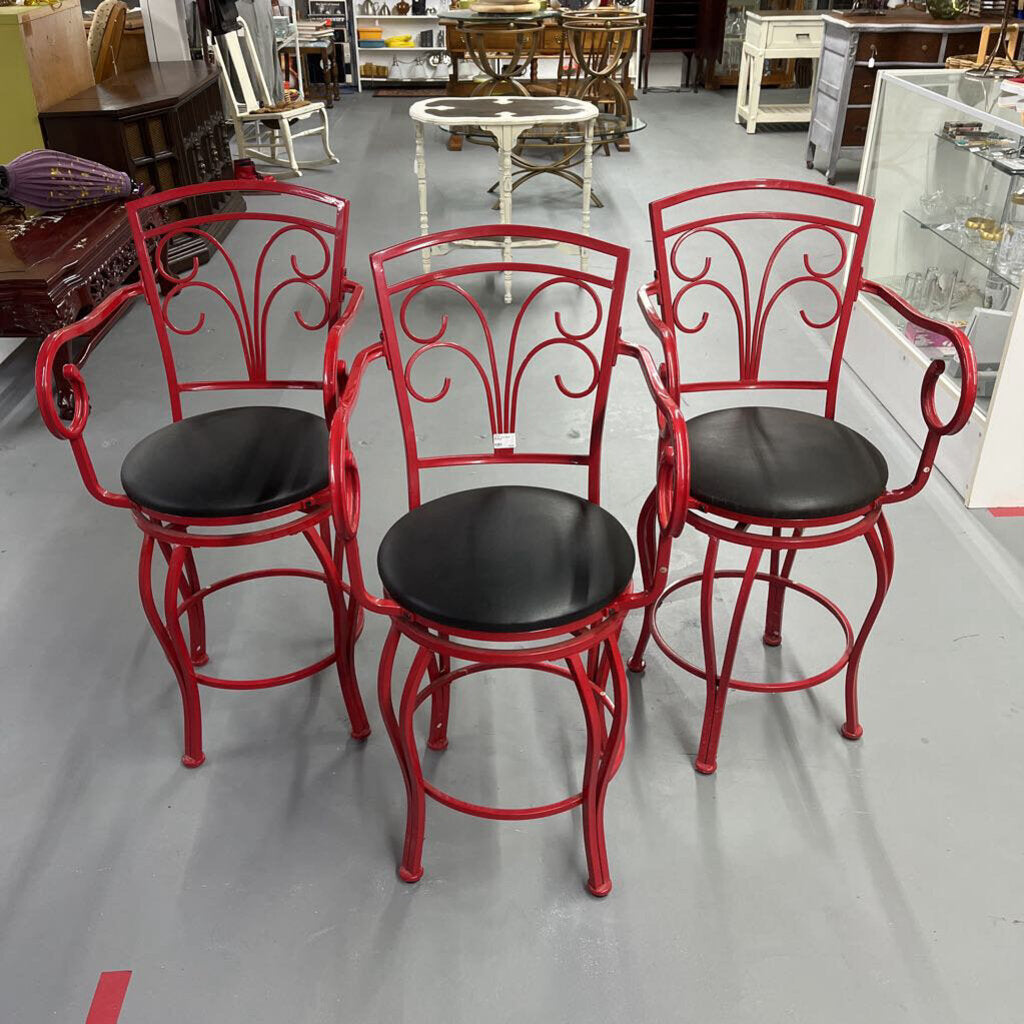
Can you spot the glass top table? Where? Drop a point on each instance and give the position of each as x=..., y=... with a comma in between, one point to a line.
x=464, y=16
x=569, y=137
x=500, y=72
x=607, y=128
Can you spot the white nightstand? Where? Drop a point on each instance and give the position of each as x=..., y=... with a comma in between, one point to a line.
x=775, y=35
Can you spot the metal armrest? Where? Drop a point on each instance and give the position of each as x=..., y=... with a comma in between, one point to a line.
x=73, y=431
x=344, y=474
x=937, y=429
x=671, y=493
x=647, y=300
x=352, y=299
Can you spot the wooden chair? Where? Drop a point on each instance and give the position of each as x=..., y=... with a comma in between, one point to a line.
x=105, y=34
x=273, y=121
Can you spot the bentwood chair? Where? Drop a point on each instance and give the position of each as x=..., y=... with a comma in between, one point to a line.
x=772, y=479
x=240, y=475
x=504, y=576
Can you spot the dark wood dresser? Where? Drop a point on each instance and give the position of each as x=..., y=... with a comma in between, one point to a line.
x=164, y=125
x=853, y=50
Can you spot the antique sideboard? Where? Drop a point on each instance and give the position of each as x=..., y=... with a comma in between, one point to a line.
x=854, y=49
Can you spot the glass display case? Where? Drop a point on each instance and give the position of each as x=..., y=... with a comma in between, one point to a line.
x=944, y=161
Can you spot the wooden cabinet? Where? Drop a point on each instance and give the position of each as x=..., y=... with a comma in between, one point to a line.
x=44, y=59
x=164, y=125
x=853, y=50
x=682, y=26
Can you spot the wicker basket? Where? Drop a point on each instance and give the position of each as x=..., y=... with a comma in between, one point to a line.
x=968, y=61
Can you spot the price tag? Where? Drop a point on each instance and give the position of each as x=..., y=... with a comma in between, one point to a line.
x=502, y=441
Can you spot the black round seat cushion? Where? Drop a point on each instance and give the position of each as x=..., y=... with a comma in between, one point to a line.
x=231, y=462
x=506, y=559
x=782, y=464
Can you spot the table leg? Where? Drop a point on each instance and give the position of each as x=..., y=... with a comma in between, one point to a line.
x=506, y=143
x=421, y=183
x=588, y=177
x=756, y=73
x=742, y=83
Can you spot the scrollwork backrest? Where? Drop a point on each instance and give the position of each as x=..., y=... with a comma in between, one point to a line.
x=459, y=355
x=199, y=279
x=748, y=262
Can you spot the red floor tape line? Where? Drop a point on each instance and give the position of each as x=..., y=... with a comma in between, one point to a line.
x=108, y=997
x=1000, y=513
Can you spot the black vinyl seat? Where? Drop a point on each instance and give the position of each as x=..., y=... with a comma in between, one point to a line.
x=782, y=464
x=231, y=462
x=506, y=559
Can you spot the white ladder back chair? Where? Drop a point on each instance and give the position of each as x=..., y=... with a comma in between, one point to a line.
x=251, y=105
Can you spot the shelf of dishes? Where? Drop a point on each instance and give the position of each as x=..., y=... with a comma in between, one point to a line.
x=980, y=233
x=369, y=9
x=1005, y=154
x=435, y=68
x=371, y=37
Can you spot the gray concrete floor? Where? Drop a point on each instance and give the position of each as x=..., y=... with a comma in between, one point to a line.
x=810, y=880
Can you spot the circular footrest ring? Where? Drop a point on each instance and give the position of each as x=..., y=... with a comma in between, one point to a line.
x=267, y=682
x=744, y=684
x=508, y=813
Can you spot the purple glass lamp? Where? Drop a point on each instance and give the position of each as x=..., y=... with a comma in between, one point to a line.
x=50, y=180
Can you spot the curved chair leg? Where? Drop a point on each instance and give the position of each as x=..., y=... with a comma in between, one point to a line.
x=707, y=634
x=439, y=704
x=718, y=683
x=289, y=145
x=615, y=744
x=880, y=543
x=173, y=643
x=777, y=592
x=325, y=140
x=344, y=628
x=196, y=615
x=646, y=545
x=411, y=868
x=598, y=879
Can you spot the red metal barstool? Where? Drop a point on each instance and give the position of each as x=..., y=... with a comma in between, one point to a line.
x=505, y=576
x=765, y=478
x=236, y=476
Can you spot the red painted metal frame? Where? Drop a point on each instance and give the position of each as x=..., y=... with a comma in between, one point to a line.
x=660, y=302
x=584, y=652
x=177, y=537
